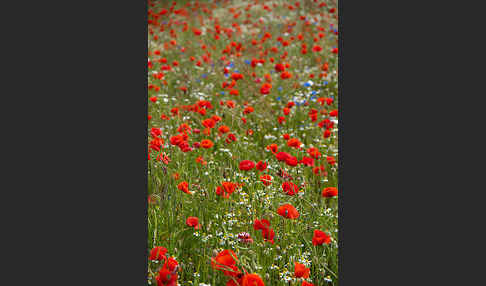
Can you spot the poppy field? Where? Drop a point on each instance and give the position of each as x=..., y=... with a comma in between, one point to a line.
x=242, y=143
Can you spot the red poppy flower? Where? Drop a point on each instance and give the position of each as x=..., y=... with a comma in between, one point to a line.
x=226, y=189
x=288, y=211
x=220, y=192
x=202, y=111
x=184, y=128
x=291, y=161
x=261, y=166
x=320, y=237
x=229, y=187
x=193, y=221
x=261, y=224
x=184, y=146
x=319, y=170
x=176, y=140
x=285, y=75
x=248, y=110
x=266, y=180
x=300, y=271
x=308, y=161
x=273, y=148
x=282, y=156
x=316, y=49
x=155, y=132
x=265, y=89
x=331, y=160
x=201, y=160
x=167, y=275
x=164, y=158
x=294, y=142
x=290, y=188
x=314, y=152
x=252, y=280
x=206, y=143
x=223, y=129
x=329, y=192
x=231, y=138
x=279, y=67
x=246, y=165
x=226, y=262
x=327, y=133
x=236, y=76
x=232, y=282
x=268, y=235
x=208, y=123
x=230, y=104
x=158, y=253
x=305, y=283
x=184, y=186
x=172, y=264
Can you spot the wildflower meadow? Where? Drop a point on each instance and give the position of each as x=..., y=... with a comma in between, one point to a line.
x=242, y=143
